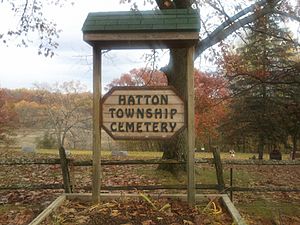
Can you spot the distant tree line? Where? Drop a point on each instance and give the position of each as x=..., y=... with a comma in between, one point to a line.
x=63, y=110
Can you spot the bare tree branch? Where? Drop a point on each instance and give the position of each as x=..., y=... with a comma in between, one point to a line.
x=288, y=15
x=223, y=31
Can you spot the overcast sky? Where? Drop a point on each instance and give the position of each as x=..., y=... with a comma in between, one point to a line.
x=21, y=67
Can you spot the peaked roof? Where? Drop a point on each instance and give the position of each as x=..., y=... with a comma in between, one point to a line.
x=170, y=20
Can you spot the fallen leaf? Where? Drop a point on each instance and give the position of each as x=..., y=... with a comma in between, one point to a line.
x=187, y=222
x=115, y=213
x=148, y=222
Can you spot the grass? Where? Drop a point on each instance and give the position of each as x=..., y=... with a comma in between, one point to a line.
x=148, y=154
x=6, y=207
x=164, y=177
x=204, y=175
x=269, y=209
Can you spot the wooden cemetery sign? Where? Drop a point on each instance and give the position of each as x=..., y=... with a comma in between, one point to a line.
x=142, y=113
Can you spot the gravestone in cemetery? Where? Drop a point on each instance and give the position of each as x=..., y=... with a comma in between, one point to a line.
x=28, y=149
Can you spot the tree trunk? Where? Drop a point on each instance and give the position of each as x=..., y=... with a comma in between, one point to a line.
x=294, y=146
x=176, y=73
x=65, y=169
x=261, y=147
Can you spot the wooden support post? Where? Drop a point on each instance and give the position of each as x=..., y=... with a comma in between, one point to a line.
x=72, y=174
x=190, y=127
x=219, y=168
x=231, y=179
x=65, y=169
x=96, y=179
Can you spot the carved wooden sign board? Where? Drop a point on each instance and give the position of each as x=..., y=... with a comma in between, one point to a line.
x=142, y=113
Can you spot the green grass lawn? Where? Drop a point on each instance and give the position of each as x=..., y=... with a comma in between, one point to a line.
x=270, y=210
x=152, y=154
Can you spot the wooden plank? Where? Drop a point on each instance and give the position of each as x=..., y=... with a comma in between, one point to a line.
x=158, y=187
x=190, y=127
x=152, y=115
x=154, y=91
x=262, y=162
x=143, y=128
x=264, y=189
x=141, y=36
x=236, y=162
x=96, y=180
x=178, y=107
x=129, y=162
x=72, y=174
x=142, y=135
x=198, y=186
x=115, y=196
x=54, y=205
x=140, y=44
x=31, y=186
x=233, y=211
x=219, y=168
x=177, y=118
x=114, y=100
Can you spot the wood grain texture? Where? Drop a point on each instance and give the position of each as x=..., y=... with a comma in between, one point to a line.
x=96, y=180
x=191, y=127
x=142, y=113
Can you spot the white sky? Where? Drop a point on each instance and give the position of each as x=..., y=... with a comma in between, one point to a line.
x=21, y=67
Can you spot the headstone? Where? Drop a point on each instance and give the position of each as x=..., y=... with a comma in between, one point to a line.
x=68, y=153
x=275, y=155
x=232, y=153
x=119, y=153
x=28, y=149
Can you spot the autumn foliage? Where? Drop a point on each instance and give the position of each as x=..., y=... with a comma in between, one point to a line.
x=210, y=91
x=210, y=107
x=8, y=118
x=139, y=77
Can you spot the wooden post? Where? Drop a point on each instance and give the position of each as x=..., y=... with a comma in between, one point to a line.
x=231, y=179
x=72, y=175
x=96, y=180
x=190, y=127
x=219, y=168
x=65, y=169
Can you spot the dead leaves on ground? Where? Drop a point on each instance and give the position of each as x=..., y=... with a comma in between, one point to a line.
x=133, y=212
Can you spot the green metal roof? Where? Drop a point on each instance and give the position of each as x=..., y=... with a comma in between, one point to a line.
x=182, y=20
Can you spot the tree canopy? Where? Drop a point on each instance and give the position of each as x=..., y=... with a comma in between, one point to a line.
x=262, y=78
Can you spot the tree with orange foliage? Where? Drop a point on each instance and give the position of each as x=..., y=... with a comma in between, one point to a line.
x=210, y=107
x=139, y=77
x=210, y=92
x=8, y=119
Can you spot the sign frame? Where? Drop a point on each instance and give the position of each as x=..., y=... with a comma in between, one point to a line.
x=142, y=88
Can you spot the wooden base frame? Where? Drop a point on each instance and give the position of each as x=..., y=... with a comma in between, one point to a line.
x=87, y=197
